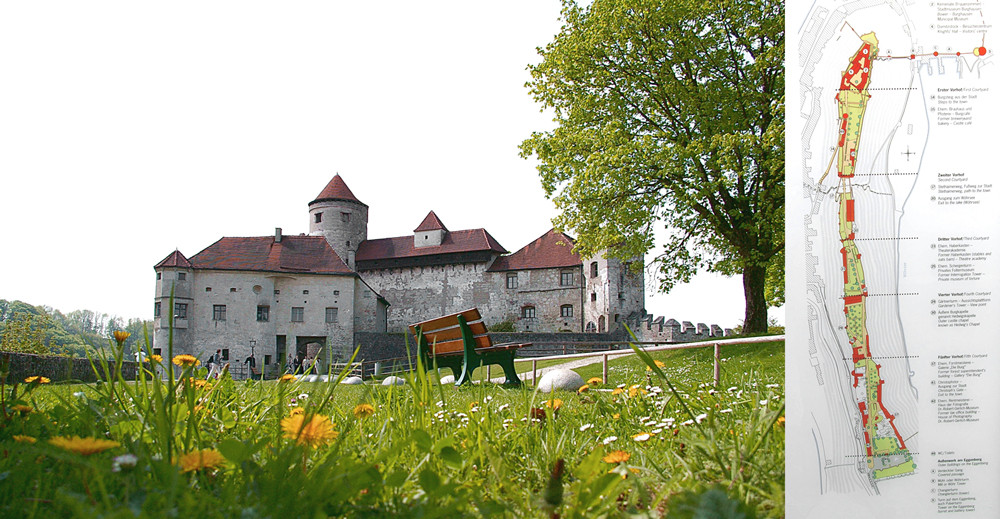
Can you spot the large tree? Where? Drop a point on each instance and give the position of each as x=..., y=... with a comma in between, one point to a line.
x=670, y=112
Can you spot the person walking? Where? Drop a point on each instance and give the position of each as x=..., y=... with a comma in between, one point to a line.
x=214, y=365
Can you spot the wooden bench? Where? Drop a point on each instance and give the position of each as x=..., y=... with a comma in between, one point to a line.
x=459, y=341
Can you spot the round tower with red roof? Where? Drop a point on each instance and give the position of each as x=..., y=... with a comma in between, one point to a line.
x=341, y=218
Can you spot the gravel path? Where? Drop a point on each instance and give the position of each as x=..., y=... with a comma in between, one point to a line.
x=570, y=364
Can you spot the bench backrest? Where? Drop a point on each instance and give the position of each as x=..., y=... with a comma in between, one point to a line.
x=444, y=335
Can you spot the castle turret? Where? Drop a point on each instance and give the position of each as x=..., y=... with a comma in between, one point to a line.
x=430, y=232
x=341, y=218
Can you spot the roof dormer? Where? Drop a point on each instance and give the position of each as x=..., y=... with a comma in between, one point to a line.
x=430, y=232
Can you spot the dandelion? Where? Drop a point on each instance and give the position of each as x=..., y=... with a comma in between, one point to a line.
x=156, y=358
x=659, y=364
x=617, y=391
x=120, y=337
x=609, y=439
x=20, y=438
x=781, y=421
x=583, y=388
x=595, y=381
x=201, y=459
x=616, y=416
x=617, y=457
x=297, y=411
x=641, y=437
x=287, y=377
x=37, y=379
x=635, y=390
x=315, y=432
x=84, y=446
x=363, y=411
x=555, y=404
x=184, y=360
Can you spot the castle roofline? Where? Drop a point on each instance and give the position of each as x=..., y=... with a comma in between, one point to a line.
x=455, y=242
x=336, y=190
x=291, y=255
x=174, y=259
x=431, y=223
x=551, y=250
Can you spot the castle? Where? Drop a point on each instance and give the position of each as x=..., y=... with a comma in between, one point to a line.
x=298, y=295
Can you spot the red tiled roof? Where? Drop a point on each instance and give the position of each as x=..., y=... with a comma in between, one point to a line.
x=471, y=240
x=552, y=250
x=431, y=223
x=336, y=190
x=293, y=254
x=175, y=259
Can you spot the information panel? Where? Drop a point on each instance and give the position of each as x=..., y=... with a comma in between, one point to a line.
x=893, y=233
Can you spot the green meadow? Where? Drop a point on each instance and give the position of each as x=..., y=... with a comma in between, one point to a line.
x=659, y=439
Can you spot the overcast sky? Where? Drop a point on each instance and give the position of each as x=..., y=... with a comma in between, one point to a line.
x=131, y=128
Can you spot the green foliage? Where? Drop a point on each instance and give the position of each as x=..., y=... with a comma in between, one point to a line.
x=26, y=333
x=673, y=112
x=44, y=330
x=506, y=326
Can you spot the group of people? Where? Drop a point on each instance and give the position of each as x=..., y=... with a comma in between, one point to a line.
x=215, y=366
x=302, y=365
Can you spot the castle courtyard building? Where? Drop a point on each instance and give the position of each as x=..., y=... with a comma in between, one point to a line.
x=306, y=296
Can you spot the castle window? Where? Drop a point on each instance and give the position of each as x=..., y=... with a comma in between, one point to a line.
x=157, y=351
x=277, y=292
x=156, y=309
x=158, y=276
x=319, y=217
x=591, y=327
x=218, y=312
x=512, y=280
x=181, y=276
x=593, y=269
x=232, y=289
x=225, y=354
x=528, y=312
x=345, y=217
x=267, y=359
x=305, y=292
x=336, y=292
x=208, y=289
x=566, y=279
x=180, y=310
x=297, y=314
x=263, y=313
x=331, y=315
x=593, y=296
x=566, y=311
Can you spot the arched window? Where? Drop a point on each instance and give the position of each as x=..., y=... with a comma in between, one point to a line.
x=593, y=269
x=591, y=327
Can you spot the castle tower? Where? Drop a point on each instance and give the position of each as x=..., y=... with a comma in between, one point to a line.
x=341, y=218
x=430, y=232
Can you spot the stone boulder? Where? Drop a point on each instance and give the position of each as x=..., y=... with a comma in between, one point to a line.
x=352, y=381
x=448, y=379
x=560, y=380
x=393, y=381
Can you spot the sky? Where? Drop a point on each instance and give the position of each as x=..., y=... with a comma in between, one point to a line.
x=129, y=129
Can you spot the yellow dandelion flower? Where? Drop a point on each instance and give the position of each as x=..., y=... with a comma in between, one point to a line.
x=635, y=390
x=37, y=379
x=583, y=388
x=781, y=421
x=315, y=432
x=21, y=408
x=156, y=358
x=297, y=411
x=200, y=383
x=617, y=457
x=616, y=416
x=363, y=411
x=84, y=446
x=555, y=403
x=185, y=360
x=595, y=381
x=617, y=391
x=20, y=438
x=287, y=377
x=201, y=459
x=120, y=336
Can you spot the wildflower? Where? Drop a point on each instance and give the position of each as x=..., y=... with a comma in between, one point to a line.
x=156, y=358
x=37, y=379
x=700, y=418
x=296, y=411
x=303, y=396
x=21, y=408
x=586, y=426
x=641, y=437
x=616, y=416
x=24, y=439
x=617, y=391
x=201, y=459
x=555, y=404
x=315, y=432
x=185, y=360
x=363, y=411
x=120, y=337
x=84, y=446
x=78, y=394
x=537, y=413
x=287, y=377
x=659, y=364
x=595, y=381
x=583, y=388
x=781, y=421
x=124, y=461
x=199, y=383
x=503, y=407
x=617, y=457
x=609, y=439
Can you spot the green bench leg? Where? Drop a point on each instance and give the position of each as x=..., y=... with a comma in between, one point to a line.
x=507, y=363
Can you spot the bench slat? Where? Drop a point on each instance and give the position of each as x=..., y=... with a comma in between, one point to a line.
x=457, y=346
x=448, y=334
x=446, y=321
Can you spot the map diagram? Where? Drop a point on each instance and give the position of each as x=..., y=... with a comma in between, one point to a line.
x=885, y=97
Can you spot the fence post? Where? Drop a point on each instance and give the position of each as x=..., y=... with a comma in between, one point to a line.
x=605, y=372
x=534, y=373
x=488, y=378
x=717, y=359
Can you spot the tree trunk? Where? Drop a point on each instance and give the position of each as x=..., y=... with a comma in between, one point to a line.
x=755, y=317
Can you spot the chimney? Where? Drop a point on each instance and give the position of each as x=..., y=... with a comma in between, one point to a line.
x=277, y=235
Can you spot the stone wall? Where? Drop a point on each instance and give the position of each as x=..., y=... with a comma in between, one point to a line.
x=651, y=328
x=56, y=368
